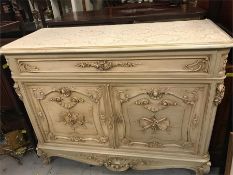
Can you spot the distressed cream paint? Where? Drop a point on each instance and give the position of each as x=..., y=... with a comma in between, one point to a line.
x=139, y=96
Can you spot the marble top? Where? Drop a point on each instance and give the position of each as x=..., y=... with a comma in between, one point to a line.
x=193, y=34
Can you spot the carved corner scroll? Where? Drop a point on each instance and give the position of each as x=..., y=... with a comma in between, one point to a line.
x=203, y=169
x=24, y=67
x=200, y=65
x=220, y=90
x=18, y=91
x=104, y=65
x=45, y=157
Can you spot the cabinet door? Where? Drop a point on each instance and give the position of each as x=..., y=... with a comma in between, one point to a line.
x=67, y=112
x=159, y=116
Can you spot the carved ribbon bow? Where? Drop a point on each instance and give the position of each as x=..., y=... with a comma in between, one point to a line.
x=154, y=124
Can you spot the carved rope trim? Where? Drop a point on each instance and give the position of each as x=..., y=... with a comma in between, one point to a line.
x=105, y=65
x=200, y=65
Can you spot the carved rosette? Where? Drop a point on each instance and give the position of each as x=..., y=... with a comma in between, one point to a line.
x=104, y=65
x=73, y=119
x=219, y=93
x=200, y=65
x=38, y=93
x=156, y=94
x=123, y=96
x=18, y=91
x=24, y=67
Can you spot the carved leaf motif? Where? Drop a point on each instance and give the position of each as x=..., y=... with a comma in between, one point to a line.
x=112, y=163
x=200, y=65
x=67, y=104
x=76, y=139
x=155, y=107
x=190, y=97
x=104, y=65
x=156, y=93
x=142, y=101
x=220, y=90
x=120, y=164
x=65, y=99
x=224, y=63
x=24, y=67
x=64, y=91
x=95, y=95
x=155, y=145
x=73, y=119
x=103, y=139
x=123, y=96
x=38, y=93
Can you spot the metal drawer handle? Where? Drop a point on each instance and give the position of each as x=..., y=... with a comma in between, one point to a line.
x=105, y=65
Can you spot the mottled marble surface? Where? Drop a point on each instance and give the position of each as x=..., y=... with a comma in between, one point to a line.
x=154, y=36
x=32, y=165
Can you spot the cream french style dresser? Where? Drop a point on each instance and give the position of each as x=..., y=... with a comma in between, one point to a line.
x=140, y=96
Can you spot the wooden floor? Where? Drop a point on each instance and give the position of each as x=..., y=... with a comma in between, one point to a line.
x=32, y=165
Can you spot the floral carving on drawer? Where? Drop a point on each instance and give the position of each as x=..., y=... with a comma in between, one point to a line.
x=200, y=65
x=25, y=67
x=70, y=113
x=104, y=65
x=73, y=119
x=159, y=120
